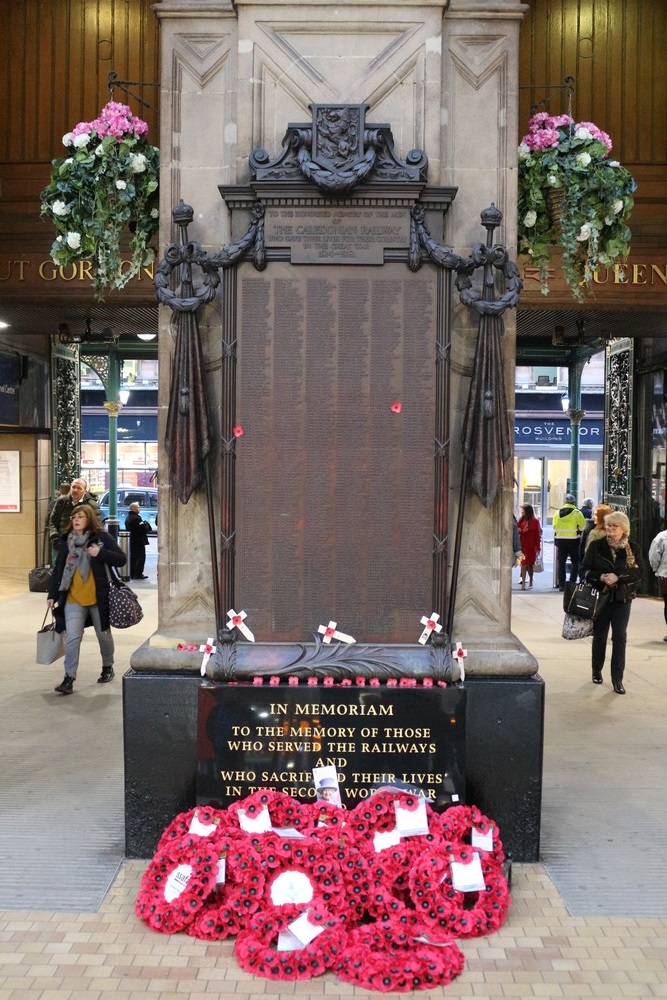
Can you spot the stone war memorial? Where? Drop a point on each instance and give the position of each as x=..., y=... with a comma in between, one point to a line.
x=338, y=293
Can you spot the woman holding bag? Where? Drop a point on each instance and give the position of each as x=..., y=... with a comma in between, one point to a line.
x=530, y=534
x=79, y=590
x=612, y=563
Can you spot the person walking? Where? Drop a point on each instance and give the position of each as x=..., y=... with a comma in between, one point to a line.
x=530, y=533
x=63, y=507
x=657, y=557
x=587, y=508
x=79, y=591
x=138, y=529
x=568, y=523
x=594, y=529
x=613, y=563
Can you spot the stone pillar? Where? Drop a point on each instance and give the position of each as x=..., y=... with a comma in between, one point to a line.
x=444, y=76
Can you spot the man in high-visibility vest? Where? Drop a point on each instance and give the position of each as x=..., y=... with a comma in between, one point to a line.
x=568, y=524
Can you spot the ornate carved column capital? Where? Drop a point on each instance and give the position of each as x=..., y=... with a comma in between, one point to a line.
x=112, y=408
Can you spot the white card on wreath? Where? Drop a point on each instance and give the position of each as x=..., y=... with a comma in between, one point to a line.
x=176, y=882
x=288, y=941
x=261, y=823
x=222, y=869
x=468, y=878
x=411, y=822
x=482, y=841
x=303, y=930
x=381, y=840
x=202, y=829
x=289, y=832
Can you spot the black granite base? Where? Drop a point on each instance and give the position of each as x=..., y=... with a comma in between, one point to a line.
x=504, y=743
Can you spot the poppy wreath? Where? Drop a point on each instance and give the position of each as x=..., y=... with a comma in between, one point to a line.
x=255, y=952
x=174, y=888
x=458, y=822
x=306, y=856
x=354, y=870
x=461, y=914
x=326, y=814
x=283, y=809
x=178, y=834
x=229, y=908
x=387, y=958
x=378, y=815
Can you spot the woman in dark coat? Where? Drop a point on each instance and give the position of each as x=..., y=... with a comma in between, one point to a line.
x=614, y=564
x=79, y=590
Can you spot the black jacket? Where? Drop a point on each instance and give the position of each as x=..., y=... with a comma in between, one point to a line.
x=110, y=555
x=599, y=559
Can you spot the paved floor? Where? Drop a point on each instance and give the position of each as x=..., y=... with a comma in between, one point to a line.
x=590, y=921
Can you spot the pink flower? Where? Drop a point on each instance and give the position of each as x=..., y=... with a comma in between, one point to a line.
x=293, y=681
x=238, y=431
x=427, y=682
x=274, y=681
x=392, y=683
x=328, y=681
x=374, y=682
x=360, y=681
x=258, y=681
x=407, y=682
x=312, y=681
x=346, y=682
x=396, y=407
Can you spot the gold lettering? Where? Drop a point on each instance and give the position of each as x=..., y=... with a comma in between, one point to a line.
x=86, y=269
x=638, y=275
x=47, y=264
x=63, y=275
x=620, y=277
x=661, y=272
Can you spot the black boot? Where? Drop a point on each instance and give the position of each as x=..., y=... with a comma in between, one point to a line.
x=65, y=686
x=106, y=675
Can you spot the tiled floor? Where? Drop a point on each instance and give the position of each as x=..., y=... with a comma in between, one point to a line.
x=542, y=951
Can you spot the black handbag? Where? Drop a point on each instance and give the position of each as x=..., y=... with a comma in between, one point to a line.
x=587, y=601
x=39, y=578
x=124, y=608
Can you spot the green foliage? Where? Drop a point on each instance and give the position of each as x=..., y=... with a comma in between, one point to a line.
x=107, y=186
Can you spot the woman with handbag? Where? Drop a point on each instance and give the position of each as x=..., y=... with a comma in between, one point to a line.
x=79, y=590
x=530, y=533
x=613, y=563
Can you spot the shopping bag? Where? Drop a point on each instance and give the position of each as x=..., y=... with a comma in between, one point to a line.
x=538, y=565
x=50, y=644
x=577, y=628
x=124, y=608
x=587, y=601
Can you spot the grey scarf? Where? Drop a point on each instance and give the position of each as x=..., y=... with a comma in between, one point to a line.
x=77, y=558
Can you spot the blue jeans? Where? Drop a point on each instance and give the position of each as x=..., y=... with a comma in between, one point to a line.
x=75, y=620
x=616, y=616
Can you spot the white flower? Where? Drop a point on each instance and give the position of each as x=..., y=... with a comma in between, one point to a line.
x=584, y=233
x=529, y=219
x=583, y=133
x=154, y=213
x=583, y=159
x=74, y=241
x=609, y=220
x=81, y=140
x=524, y=151
x=68, y=139
x=60, y=208
x=99, y=150
x=138, y=163
x=552, y=180
x=613, y=163
x=617, y=206
x=121, y=185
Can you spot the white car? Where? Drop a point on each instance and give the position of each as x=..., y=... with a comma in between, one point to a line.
x=145, y=496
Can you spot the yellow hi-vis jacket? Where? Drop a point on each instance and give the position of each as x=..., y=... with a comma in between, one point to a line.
x=568, y=522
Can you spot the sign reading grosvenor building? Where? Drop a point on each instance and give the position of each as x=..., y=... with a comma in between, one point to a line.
x=531, y=430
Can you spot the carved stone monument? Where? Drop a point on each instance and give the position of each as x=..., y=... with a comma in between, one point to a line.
x=333, y=389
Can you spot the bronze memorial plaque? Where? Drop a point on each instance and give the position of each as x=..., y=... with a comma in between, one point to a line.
x=352, y=235
x=335, y=471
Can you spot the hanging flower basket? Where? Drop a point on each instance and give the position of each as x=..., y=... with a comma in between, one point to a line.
x=105, y=192
x=572, y=198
